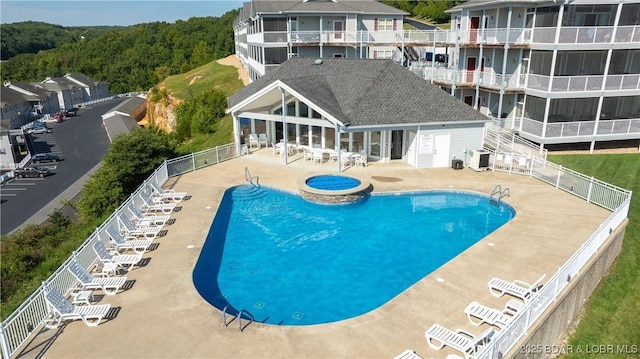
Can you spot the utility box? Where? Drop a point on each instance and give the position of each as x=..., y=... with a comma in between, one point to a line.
x=457, y=164
x=479, y=160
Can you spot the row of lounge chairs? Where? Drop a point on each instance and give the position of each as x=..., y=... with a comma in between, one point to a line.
x=468, y=343
x=127, y=242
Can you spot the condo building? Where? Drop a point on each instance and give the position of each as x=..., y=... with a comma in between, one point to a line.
x=553, y=72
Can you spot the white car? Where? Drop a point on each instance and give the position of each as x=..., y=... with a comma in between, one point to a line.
x=38, y=130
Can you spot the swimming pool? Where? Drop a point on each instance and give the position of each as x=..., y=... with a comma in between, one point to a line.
x=332, y=182
x=291, y=262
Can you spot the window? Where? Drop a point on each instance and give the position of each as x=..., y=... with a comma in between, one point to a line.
x=385, y=25
x=304, y=110
x=383, y=54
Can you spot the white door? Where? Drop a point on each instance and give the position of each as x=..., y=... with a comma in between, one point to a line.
x=411, y=148
x=441, y=150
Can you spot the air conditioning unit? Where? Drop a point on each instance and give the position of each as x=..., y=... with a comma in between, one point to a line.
x=479, y=160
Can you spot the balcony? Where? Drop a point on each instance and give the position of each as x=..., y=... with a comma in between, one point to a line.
x=487, y=79
x=587, y=35
x=583, y=130
x=584, y=83
x=488, y=37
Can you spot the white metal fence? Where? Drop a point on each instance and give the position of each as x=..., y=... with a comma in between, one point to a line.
x=24, y=321
x=16, y=329
x=592, y=190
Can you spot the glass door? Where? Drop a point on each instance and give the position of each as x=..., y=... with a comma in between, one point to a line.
x=375, y=145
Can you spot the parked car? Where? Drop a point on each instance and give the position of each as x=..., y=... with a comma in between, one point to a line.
x=45, y=157
x=50, y=119
x=70, y=112
x=31, y=171
x=38, y=130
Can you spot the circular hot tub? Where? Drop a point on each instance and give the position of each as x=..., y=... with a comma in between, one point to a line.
x=331, y=188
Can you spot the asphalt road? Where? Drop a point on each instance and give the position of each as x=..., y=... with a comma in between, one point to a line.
x=82, y=142
x=418, y=25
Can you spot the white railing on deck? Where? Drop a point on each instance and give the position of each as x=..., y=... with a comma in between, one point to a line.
x=594, y=191
x=18, y=327
x=583, y=83
x=582, y=128
x=488, y=36
x=23, y=322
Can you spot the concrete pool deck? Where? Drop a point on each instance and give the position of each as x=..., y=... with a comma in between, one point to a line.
x=163, y=316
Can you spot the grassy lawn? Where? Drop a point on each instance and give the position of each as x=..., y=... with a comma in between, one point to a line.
x=206, y=77
x=612, y=313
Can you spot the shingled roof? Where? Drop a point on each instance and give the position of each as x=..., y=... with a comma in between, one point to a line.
x=262, y=7
x=365, y=92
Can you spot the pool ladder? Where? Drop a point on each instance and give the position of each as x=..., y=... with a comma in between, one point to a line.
x=238, y=315
x=250, y=179
x=498, y=192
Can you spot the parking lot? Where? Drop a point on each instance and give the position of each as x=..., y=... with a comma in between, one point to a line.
x=81, y=142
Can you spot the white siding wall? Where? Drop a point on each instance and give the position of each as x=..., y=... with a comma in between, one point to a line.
x=463, y=137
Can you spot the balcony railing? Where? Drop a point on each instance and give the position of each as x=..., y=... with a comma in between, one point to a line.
x=490, y=79
x=582, y=128
x=487, y=79
x=490, y=36
x=587, y=35
x=584, y=83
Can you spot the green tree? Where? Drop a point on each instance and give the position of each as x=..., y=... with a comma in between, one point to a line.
x=201, y=55
x=199, y=114
x=131, y=159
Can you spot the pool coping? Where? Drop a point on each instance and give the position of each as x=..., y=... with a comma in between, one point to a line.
x=170, y=319
x=333, y=196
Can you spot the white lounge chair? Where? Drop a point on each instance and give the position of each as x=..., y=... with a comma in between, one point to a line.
x=116, y=260
x=149, y=206
x=130, y=229
x=408, y=354
x=438, y=336
x=519, y=289
x=137, y=217
x=129, y=243
x=478, y=314
x=263, y=140
x=253, y=140
x=62, y=310
x=109, y=285
x=166, y=194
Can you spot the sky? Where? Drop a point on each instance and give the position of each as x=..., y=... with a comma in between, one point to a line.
x=111, y=13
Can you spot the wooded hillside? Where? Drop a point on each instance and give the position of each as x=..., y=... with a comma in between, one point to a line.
x=133, y=58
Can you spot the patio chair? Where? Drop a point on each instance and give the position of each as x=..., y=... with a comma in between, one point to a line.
x=62, y=310
x=478, y=314
x=438, y=336
x=166, y=194
x=130, y=229
x=148, y=205
x=408, y=354
x=362, y=159
x=253, y=140
x=307, y=154
x=333, y=156
x=149, y=219
x=109, y=285
x=277, y=149
x=129, y=243
x=263, y=140
x=115, y=260
x=317, y=156
x=519, y=289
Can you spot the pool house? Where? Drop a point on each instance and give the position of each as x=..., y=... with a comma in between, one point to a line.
x=370, y=107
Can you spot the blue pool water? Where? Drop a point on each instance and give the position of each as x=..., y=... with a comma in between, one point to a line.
x=292, y=262
x=332, y=182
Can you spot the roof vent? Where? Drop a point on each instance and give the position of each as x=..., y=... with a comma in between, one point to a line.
x=318, y=62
